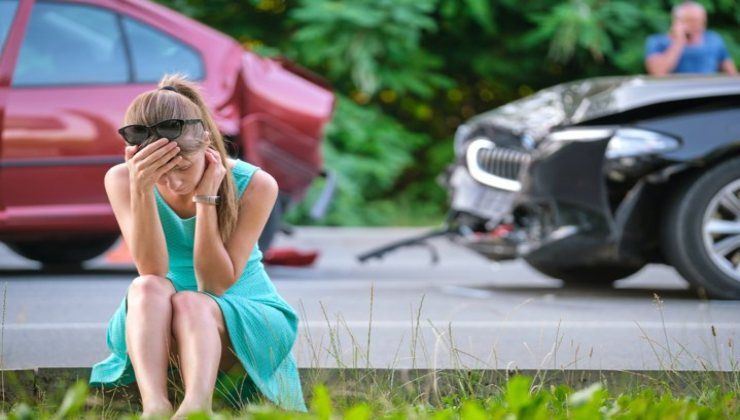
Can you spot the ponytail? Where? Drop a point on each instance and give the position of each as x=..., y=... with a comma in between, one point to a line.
x=228, y=207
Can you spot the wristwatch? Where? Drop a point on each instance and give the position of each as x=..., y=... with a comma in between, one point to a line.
x=208, y=199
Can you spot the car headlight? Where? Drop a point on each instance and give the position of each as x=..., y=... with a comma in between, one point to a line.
x=623, y=141
x=628, y=142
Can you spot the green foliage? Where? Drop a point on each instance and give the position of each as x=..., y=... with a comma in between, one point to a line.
x=74, y=400
x=421, y=67
x=587, y=24
x=520, y=398
x=480, y=11
x=368, y=151
x=22, y=411
x=373, y=43
x=359, y=411
x=321, y=402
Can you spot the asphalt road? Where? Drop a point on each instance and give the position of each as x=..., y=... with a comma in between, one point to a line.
x=462, y=312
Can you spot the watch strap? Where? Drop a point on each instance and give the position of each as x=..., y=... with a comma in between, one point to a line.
x=208, y=199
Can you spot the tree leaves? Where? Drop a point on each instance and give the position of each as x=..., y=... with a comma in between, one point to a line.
x=376, y=44
x=407, y=72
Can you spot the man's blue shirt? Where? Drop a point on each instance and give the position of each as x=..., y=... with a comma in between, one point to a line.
x=700, y=58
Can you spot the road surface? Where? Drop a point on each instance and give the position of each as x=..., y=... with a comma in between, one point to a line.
x=402, y=311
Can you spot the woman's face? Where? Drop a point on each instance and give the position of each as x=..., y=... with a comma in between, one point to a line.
x=185, y=176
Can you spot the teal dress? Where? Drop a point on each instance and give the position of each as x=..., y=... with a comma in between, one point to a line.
x=261, y=324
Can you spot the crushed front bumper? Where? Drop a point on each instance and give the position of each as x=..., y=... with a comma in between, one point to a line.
x=556, y=205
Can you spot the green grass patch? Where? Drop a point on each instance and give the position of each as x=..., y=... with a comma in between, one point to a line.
x=355, y=394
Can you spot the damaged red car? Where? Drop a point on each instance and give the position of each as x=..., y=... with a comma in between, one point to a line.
x=69, y=69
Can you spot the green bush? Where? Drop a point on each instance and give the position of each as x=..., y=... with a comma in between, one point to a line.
x=421, y=67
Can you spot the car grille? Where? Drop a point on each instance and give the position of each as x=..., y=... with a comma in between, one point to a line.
x=502, y=162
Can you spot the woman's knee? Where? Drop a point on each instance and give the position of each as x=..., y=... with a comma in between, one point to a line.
x=150, y=286
x=188, y=303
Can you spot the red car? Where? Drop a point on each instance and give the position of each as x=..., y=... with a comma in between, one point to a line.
x=69, y=69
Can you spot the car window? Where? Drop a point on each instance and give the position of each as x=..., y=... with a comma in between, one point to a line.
x=7, y=12
x=154, y=53
x=71, y=44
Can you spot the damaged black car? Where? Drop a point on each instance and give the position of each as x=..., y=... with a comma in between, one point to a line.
x=589, y=181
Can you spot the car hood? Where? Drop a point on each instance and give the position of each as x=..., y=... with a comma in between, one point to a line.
x=582, y=100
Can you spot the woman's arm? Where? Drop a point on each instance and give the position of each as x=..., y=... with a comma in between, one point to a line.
x=138, y=220
x=218, y=266
x=214, y=270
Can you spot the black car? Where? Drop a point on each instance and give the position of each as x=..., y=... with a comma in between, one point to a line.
x=589, y=181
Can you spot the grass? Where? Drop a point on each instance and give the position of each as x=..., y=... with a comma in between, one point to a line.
x=357, y=390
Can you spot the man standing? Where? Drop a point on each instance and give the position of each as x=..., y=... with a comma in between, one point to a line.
x=688, y=47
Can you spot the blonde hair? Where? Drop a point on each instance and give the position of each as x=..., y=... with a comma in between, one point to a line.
x=156, y=105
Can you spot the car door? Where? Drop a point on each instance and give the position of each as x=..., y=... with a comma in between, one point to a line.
x=78, y=68
x=68, y=90
x=12, y=21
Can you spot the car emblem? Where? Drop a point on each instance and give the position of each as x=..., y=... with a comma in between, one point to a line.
x=528, y=141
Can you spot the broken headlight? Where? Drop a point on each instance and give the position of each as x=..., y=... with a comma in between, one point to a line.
x=629, y=142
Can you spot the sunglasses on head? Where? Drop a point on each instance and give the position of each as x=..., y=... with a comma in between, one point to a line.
x=171, y=129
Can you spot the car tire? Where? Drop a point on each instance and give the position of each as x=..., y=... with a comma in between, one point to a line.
x=687, y=212
x=594, y=275
x=63, y=251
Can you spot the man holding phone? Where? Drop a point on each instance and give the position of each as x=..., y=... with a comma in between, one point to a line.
x=688, y=47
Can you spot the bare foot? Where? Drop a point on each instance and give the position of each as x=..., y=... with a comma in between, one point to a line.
x=164, y=411
x=183, y=411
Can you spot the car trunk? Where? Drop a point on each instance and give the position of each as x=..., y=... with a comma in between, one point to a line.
x=283, y=122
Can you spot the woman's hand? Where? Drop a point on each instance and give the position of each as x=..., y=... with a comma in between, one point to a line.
x=213, y=175
x=145, y=167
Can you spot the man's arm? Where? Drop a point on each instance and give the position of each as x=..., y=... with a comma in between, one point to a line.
x=725, y=60
x=728, y=66
x=660, y=64
x=661, y=59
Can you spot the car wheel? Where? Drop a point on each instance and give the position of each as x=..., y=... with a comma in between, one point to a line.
x=700, y=236
x=272, y=226
x=601, y=275
x=63, y=251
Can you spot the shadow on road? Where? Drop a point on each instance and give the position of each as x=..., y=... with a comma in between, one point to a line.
x=477, y=291
x=579, y=291
x=76, y=270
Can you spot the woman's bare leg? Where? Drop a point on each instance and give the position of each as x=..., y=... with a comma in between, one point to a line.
x=148, y=335
x=203, y=346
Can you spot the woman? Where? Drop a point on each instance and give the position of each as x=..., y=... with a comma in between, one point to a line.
x=191, y=218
